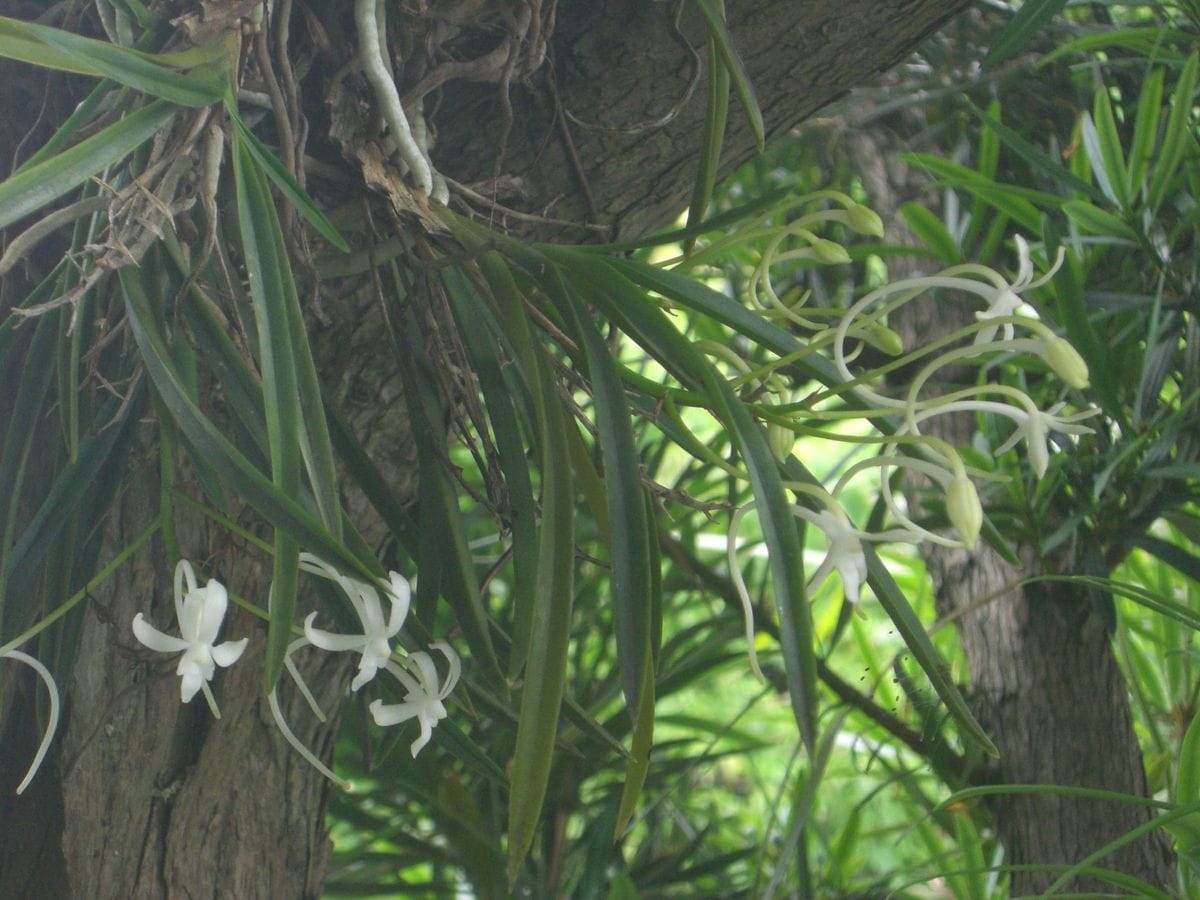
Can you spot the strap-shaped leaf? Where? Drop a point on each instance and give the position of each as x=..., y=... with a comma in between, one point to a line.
x=53, y=48
x=444, y=558
x=716, y=112
x=1179, y=134
x=287, y=184
x=714, y=19
x=479, y=328
x=545, y=671
x=282, y=353
x=628, y=531
x=624, y=303
x=894, y=603
x=280, y=509
x=38, y=185
x=929, y=228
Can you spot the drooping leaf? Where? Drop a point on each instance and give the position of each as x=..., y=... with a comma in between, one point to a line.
x=38, y=185
x=714, y=20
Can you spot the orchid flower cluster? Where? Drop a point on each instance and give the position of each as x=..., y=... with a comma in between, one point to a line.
x=999, y=328
x=201, y=610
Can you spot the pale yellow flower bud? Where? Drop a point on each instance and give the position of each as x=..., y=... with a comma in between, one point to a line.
x=1065, y=361
x=780, y=439
x=864, y=220
x=964, y=510
x=828, y=252
x=885, y=339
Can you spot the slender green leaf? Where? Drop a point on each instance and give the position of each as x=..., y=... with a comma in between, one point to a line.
x=892, y=599
x=715, y=114
x=280, y=509
x=929, y=228
x=287, y=184
x=629, y=530
x=1179, y=136
x=1039, y=160
x=57, y=49
x=1094, y=220
x=545, y=671
x=714, y=19
x=638, y=765
x=38, y=185
x=1145, y=129
x=624, y=303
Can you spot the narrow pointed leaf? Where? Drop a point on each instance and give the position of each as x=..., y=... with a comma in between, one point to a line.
x=545, y=671
x=38, y=185
x=892, y=599
x=53, y=48
x=1179, y=134
x=625, y=304
x=715, y=114
x=629, y=531
x=714, y=19
x=287, y=185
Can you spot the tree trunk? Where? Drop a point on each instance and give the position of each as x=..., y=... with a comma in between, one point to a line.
x=1045, y=684
x=146, y=797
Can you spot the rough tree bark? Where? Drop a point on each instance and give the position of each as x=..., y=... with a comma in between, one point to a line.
x=145, y=797
x=1045, y=683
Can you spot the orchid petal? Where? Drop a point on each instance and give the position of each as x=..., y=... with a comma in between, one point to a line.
x=183, y=572
x=228, y=653
x=400, y=593
x=327, y=640
x=214, y=601
x=386, y=715
x=154, y=639
x=455, y=667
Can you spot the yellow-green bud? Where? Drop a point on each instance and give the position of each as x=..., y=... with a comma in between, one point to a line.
x=1065, y=361
x=963, y=510
x=829, y=253
x=864, y=220
x=780, y=439
x=885, y=339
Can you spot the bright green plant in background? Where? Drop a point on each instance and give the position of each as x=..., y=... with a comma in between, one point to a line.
x=632, y=416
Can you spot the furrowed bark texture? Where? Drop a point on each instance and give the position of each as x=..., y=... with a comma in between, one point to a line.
x=1044, y=680
x=617, y=70
x=159, y=800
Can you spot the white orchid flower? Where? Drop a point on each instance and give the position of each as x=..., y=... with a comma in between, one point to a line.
x=1035, y=431
x=424, y=700
x=373, y=643
x=1006, y=299
x=200, y=612
x=845, y=554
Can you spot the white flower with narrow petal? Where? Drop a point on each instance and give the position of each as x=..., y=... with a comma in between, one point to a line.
x=1035, y=431
x=200, y=612
x=1007, y=300
x=845, y=554
x=424, y=700
x=373, y=643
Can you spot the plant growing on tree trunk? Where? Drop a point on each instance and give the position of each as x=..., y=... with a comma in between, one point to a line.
x=268, y=343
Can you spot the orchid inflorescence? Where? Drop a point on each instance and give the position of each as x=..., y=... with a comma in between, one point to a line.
x=999, y=328
x=201, y=610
